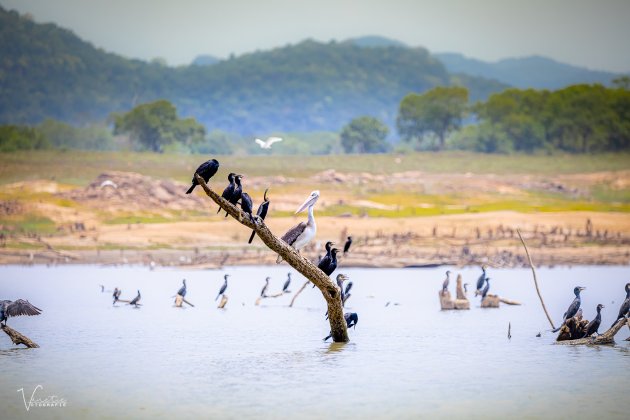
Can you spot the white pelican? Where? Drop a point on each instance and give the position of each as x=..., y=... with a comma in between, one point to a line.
x=304, y=232
x=267, y=144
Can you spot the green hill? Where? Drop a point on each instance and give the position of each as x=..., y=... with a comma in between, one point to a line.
x=48, y=72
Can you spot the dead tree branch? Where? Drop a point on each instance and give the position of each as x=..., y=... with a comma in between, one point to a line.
x=298, y=293
x=294, y=259
x=606, y=338
x=18, y=338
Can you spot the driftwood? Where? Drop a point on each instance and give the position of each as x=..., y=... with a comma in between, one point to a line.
x=260, y=298
x=490, y=301
x=509, y=301
x=179, y=300
x=331, y=294
x=606, y=338
x=224, y=300
x=298, y=293
x=531, y=264
x=18, y=338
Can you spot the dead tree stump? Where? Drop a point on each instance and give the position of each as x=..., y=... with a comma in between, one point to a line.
x=18, y=338
x=606, y=338
x=446, y=302
x=462, y=301
x=490, y=301
x=224, y=300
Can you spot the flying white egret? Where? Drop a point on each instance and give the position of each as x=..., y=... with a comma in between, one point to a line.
x=267, y=144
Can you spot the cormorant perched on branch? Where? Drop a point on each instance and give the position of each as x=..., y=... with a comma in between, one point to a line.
x=346, y=246
x=263, y=292
x=351, y=321
x=285, y=288
x=331, y=265
x=446, y=281
x=136, y=300
x=18, y=307
x=229, y=190
x=485, y=289
x=573, y=308
x=593, y=326
x=116, y=295
x=238, y=191
x=182, y=290
x=261, y=213
x=481, y=280
x=247, y=205
x=301, y=234
x=206, y=171
x=324, y=261
x=222, y=290
x=624, y=310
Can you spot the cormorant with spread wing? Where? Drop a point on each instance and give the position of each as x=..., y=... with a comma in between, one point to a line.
x=222, y=290
x=261, y=213
x=206, y=171
x=573, y=307
x=304, y=232
x=18, y=307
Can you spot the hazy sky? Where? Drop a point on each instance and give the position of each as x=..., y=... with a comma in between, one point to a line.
x=589, y=33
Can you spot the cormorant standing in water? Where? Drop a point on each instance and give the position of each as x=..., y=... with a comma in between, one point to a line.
x=285, y=288
x=346, y=246
x=229, y=190
x=136, y=300
x=18, y=307
x=302, y=233
x=182, y=290
x=263, y=292
x=238, y=191
x=624, y=310
x=573, y=308
x=222, y=290
x=351, y=321
x=481, y=280
x=247, y=205
x=116, y=295
x=446, y=281
x=206, y=171
x=593, y=326
x=261, y=213
x=485, y=289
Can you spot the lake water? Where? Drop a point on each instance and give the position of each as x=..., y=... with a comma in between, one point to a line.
x=405, y=360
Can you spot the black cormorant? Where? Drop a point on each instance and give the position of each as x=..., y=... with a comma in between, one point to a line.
x=261, y=213
x=573, y=308
x=446, y=281
x=136, y=300
x=465, y=288
x=624, y=310
x=236, y=194
x=116, y=295
x=222, y=290
x=346, y=246
x=351, y=321
x=229, y=190
x=263, y=292
x=485, y=289
x=593, y=326
x=206, y=171
x=18, y=307
x=182, y=290
x=247, y=205
x=481, y=280
x=328, y=266
x=285, y=288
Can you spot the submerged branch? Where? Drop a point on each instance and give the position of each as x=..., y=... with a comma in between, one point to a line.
x=18, y=338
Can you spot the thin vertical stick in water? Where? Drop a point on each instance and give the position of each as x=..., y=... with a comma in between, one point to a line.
x=297, y=293
x=531, y=264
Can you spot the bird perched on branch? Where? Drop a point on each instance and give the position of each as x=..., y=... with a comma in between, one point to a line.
x=593, y=326
x=263, y=292
x=484, y=293
x=206, y=171
x=261, y=213
x=624, y=310
x=267, y=144
x=247, y=205
x=351, y=319
x=18, y=307
x=304, y=232
x=446, y=281
x=285, y=288
x=182, y=290
x=116, y=295
x=135, y=300
x=238, y=191
x=229, y=190
x=573, y=307
x=481, y=280
x=222, y=290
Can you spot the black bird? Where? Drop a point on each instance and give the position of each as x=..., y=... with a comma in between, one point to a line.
x=102, y=288
x=206, y=171
x=351, y=321
x=222, y=290
x=263, y=292
x=182, y=290
x=346, y=246
x=136, y=300
x=446, y=281
x=236, y=194
x=340, y=279
x=116, y=294
x=247, y=205
x=573, y=307
x=481, y=280
x=325, y=260
x=330, y=265
x=593, y=326
x=465, y=288
x=485, y=289
x=229, y=190
x=624, y=310
x=285, y=288
x=18, y=307
x=261, y=213
x=348, y=287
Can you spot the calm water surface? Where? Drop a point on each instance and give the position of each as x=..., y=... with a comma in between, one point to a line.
x=405, y=360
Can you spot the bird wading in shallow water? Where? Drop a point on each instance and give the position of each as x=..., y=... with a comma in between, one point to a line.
x=261, y=213
x=206, y=171
x=573, y=307
x=229, y=190
x=222, y=290
x=304, y=232
x=593, y=326
x=17, y=307
x=624, y=310
x=263, y=292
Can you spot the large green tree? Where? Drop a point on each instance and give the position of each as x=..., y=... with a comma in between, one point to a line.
x=364, y=135
x=437, y=111
x=155, y=125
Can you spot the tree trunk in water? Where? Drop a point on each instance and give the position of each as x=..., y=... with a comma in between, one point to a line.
x=328, y=289
x=18, y=338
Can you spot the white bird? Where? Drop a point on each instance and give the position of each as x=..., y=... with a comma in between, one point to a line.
x=304, y=232
x=108, y=183
x=267, y=144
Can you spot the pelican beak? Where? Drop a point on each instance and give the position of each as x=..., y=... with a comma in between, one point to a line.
x=307, y=203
